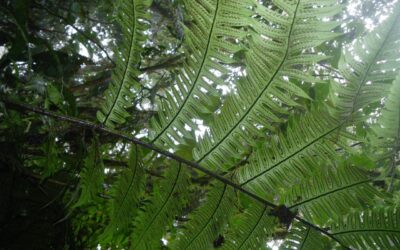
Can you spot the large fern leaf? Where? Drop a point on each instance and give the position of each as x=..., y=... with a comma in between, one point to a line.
x=370, y=229
x=278, y=56
x=207, y=222
x=210, y=40
x=119, y=96
x=368, y=66
x=169, y=198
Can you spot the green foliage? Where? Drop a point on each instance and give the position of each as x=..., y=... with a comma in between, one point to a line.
x=369, y=65
x=274, y=70
x=126, y=193
x=330, y=193
x=305, y=237
x=119, y=96
x=167, y=200
x=92, y=175
x=207, y=222
x=284, y=105
x=378, y=228
x=251, y=229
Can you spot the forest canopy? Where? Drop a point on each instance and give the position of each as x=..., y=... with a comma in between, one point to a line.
x=201, y=124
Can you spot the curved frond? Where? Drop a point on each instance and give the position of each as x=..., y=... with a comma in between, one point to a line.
x=250, y=229
x=387, y=132
x=368, y=67
x=126, y=193
x=211, y=41
x=303, y=237
x=119, y=96
x=330, y=193
x=206, y=223
x=92, y=175
x=370, y=229
x=389, y=120
x=169, y=198
x=278, y=57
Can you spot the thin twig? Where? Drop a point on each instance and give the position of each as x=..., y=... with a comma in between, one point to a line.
x=194, y=165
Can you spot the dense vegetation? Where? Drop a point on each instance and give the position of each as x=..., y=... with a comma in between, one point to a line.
x=201, y=124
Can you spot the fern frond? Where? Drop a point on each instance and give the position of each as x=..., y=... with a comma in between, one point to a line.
x=370, y=229
x=368, y=67
x=119, y=95
x=210, y=40
x=126, y=193
x=207, y=222
x=302, y=237
x=389, y=121
x=92, y=175
x=250, y=229
x=292, y=155
x=330, y=193
x=278, y=57
x=386, y=140
x=169, y=198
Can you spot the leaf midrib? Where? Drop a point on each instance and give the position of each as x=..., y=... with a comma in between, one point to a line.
x=131, y=182
x=330, y=192
x=162, y=207
x=373, y=61
x=305, y=238
x=292, y=155
x=367, y=230
x=254, y=228
x=209, y=219
x=261, y=93
x=205, y=57
x=128, y=63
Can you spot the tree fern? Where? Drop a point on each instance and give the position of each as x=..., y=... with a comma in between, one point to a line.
x=370, y=229
x=119, y=95
x=282, y=163
x=210, y=42
x=207, y=223
x=167, y=201
x=273, y=63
